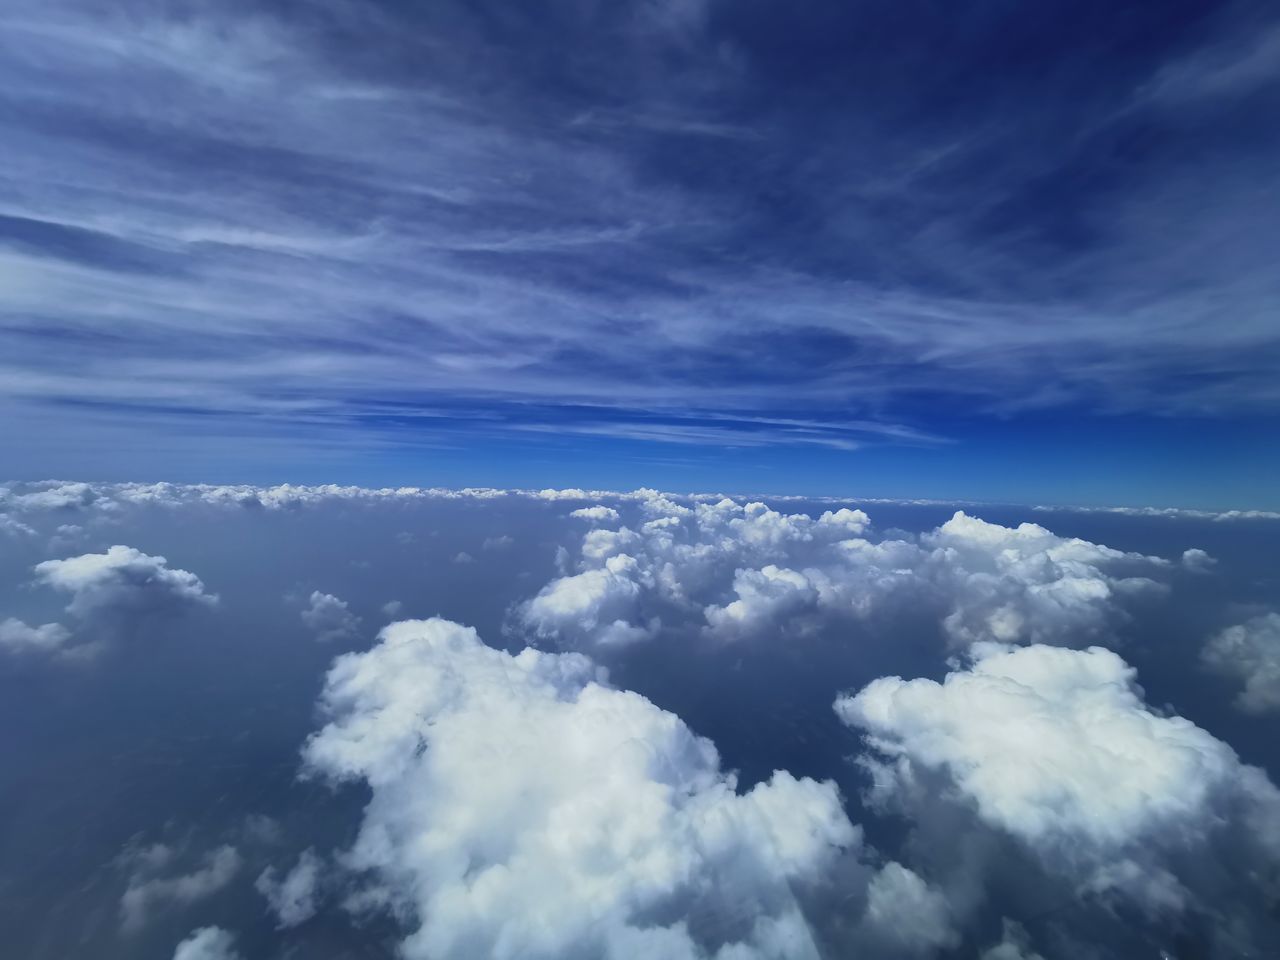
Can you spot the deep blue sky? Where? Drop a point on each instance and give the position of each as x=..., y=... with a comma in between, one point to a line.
x=1014, y=251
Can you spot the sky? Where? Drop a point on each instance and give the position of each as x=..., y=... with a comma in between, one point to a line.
x=1002, y=252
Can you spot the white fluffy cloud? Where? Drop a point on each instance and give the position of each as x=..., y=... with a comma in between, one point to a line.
x=150, y=889
x=523, y=808
x=747, y=569
x=329, y=618
x=1057, y=748
x=1250, y=653
x=599, y=513
x=19, y=637
x=122, y=579
x=292, y=899
x=1026, y=584
x=207, y=943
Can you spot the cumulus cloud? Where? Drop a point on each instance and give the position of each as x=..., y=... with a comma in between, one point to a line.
x=207, y=943
x=123, y=579
x=521, y=807
x=1198, y=560
x=1250, y=653
x=329, y=618
x=1056, y=748
x=1053, y=745
x=904, y=915
x=598, y=513
x=19, y=637
x=49, y=495
x=293, y=898
x=595, y=604
x=14, y=527
x=149, y=889
x=746, y=569
x=1026, y=584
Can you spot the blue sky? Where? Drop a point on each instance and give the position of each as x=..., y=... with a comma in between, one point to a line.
x=993, y=251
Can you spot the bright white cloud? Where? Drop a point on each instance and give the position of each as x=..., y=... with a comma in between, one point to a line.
x=148, y=890
x=599, y=513
x=329, y=618
x=207, y=943
x=292, y=899
x=748, y=569
x=594, y=604
x=1056, y=747
x=1052, y=744
x=1250, y=653
x=523, y=808
x=123, y=578
x=1026, y=584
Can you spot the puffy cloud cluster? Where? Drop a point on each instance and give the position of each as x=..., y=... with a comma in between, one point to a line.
x=123, y=579
x=1056, y=748
x=598, y=512
x=293, y=898
x=523, y=808
x=329, y=618
x=1250, y=653
x=150, y=889
x=1026, y=584
x=745, y=569
x=207, y=943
